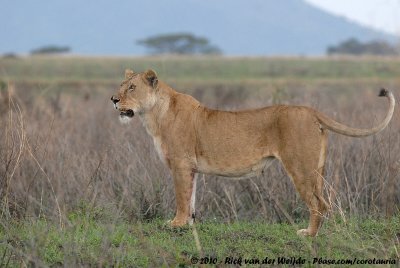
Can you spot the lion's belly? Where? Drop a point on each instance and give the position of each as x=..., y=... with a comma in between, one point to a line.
x=232, y=168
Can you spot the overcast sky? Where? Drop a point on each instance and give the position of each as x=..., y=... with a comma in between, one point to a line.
x=380, y=14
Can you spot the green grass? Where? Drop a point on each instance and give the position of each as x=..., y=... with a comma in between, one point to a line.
x=57, y=69
x=88, y=241
x=208, y=76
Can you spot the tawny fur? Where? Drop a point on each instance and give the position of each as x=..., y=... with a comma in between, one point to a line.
x=191, y=139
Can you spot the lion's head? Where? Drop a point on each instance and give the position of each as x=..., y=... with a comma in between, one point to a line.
x=136, y=94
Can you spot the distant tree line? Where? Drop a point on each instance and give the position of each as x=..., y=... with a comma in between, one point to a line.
x=44, y=50
x=354, y=47
x=179, y=43
x=52, y=49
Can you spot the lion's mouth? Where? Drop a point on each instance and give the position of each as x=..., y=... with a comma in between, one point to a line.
x=128, y=113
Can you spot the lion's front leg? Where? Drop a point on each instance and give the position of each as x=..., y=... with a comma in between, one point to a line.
x=184, y=185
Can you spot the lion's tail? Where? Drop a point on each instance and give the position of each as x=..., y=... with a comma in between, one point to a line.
x=356, y=132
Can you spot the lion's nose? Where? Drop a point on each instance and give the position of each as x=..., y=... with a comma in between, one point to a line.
x=114, y=100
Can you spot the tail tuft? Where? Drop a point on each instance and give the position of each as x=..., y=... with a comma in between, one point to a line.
x=383, y=92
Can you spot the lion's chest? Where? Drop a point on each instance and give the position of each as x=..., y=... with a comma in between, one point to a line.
x=159, y=149
x=152, y=130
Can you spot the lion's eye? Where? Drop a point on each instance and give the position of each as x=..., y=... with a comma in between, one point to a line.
x=132, y=87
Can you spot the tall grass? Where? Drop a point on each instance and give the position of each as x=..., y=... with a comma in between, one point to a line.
x=66, y=161
x=60, y=152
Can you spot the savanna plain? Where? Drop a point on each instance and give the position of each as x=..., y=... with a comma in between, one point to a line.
x=77, y=188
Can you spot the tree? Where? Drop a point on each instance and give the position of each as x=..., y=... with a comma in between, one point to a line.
x=50, y=50
x=354, y=47
x=179, y=43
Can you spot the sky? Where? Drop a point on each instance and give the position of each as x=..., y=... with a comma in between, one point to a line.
x=103, y=27
x=379, y=14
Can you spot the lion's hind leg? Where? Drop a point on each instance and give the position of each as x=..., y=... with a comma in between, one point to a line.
x=305, y=165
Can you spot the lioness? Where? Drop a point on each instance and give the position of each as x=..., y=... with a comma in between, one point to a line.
x=192, y=139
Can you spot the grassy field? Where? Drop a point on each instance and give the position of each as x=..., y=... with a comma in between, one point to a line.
x=71, y=72
x=87, y=241
x=79, y=189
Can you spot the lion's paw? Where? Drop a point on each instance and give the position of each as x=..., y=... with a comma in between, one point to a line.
x=177, y=222
x=305, y=232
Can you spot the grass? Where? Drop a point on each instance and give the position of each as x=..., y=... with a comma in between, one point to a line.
x=62, y=146
x=89, y=241
x=205, y=69
x=203, y=77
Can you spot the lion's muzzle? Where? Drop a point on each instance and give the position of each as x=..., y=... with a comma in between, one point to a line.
x=128, y=113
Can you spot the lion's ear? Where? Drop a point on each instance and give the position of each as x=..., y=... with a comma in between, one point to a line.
x=129, y=73
x=151, y=77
